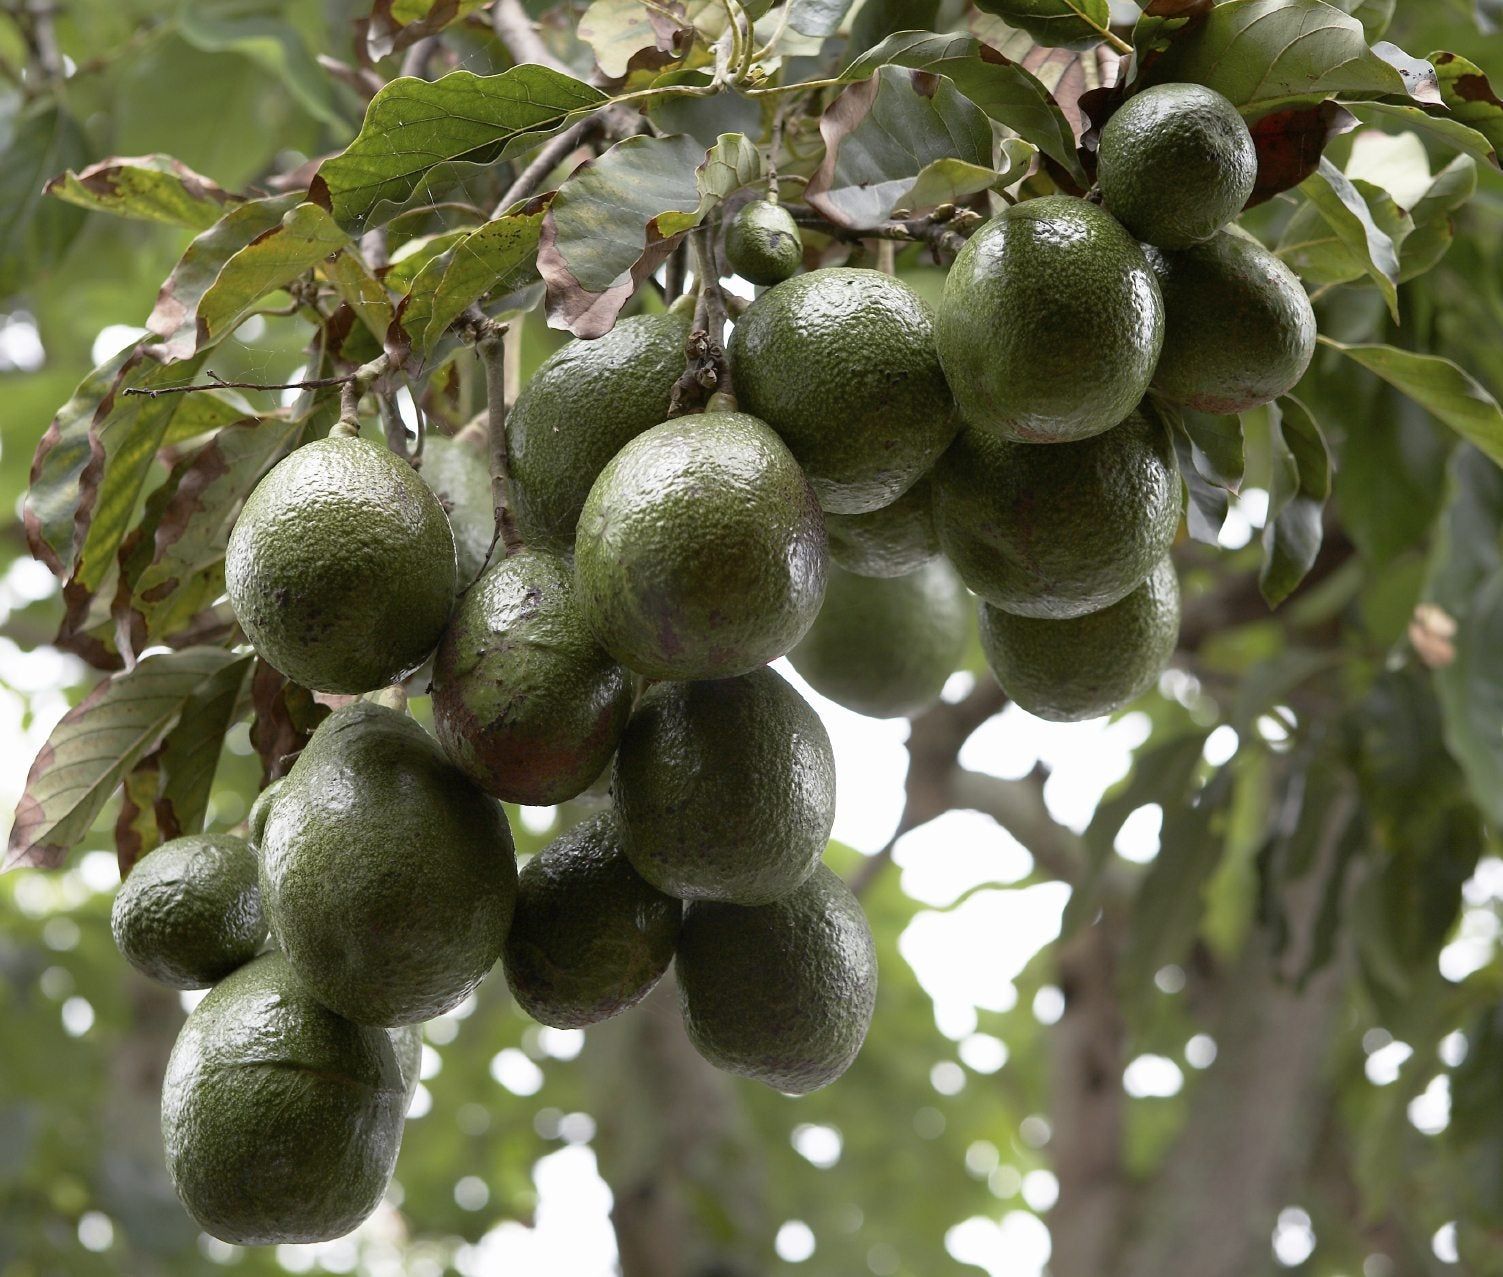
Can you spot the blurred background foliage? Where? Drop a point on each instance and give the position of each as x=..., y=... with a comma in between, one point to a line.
x=938, y=1151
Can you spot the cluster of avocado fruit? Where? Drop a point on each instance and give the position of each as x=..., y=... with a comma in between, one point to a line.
x=881, y=465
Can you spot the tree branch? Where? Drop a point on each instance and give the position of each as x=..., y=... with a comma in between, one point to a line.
x=515, y=29
x=548, y=158
x=492, y=350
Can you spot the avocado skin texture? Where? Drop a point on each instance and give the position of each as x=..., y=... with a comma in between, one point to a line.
x=893, y=541
x=189, y=911
x=407, y=1045
x=1050, y=324
x=591, y=937
x=525, y=701
x=884, y=646
x=841, y=363
x=1241, y=330
x=388, y=879
x=781, y=993
x=1176, y=164
x=762, y=243
x=578, y=410
x=701, y=550
x=1067, y=671
x=281, y=1121
x=461, y=481
x=1058, y=531
x=255, y=820
x=341, y=567
x=725, y=789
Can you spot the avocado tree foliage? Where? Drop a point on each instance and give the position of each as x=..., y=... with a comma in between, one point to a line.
x=402, y=206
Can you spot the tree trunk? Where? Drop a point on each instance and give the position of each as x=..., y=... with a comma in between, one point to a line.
x=675, y=1148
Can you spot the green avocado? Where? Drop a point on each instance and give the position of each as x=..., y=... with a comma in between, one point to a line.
x=701, y=550
x=590, y=937
x=725, y=789
x=341, y=567
x=884, y=646
x=1176, y=163
x=281, y=1121
x=782, y=993
x=762, y=243
x=460, y=479
x=893, y=541
x=189, y=912
x=255, y=820
x=1091, y=665
x=1240, y=331
x=1050, y=324
x=525, y=700
x=407, y=1046
x=1062, y=530
x=841, y=363
x=388, y=879
x=578, y=410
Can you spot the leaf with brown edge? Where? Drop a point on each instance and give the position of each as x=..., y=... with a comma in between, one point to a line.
x=190, y=753
x=97, y=743
x=1290, y=144
x=136, y=828
x=174, y=567
x=1469, y=96
x=1420, y=78
x=635, y=34
x=589, y=259
x=175, y=317
x=395, y=25
x=152, y=188
x=882, y=133
x=285, y=718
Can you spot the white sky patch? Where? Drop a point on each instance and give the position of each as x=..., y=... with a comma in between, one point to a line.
x=818, y=1145
x=1152, y=1077
x=1138, y=839
x=513, y=1070
x=1383, y=1065
x=794, y=1242
x=1430, y=1111
x=954, y=854
x=112, y=339
x=1293, y=1237
x=1017, y=1246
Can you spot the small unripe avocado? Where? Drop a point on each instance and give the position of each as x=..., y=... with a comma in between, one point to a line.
x=281, y=1120
x=701, y=551
x=387, y=877
x=578, y=410
x=893, y=541
x=1090, y=665
x=1240, y=330
x=1051, y=323
x=189, y=912
x=842, y=364
x=525, y=700
x=781, y=993
x=460, y=479
x=726, y=788
x=1176, y=164
x=341, y=567
x=1062, y=530
x=762, y=243
x=884, y=646
x=590, y=937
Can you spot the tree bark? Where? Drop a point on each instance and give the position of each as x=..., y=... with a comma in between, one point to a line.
x=676, y=1148
x=1248, y=1141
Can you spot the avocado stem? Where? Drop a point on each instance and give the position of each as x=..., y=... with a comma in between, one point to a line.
x=492, y=349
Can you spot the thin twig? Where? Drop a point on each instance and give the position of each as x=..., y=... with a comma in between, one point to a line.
x=492, y=350
x=945, y=230
x=392, y=425
x=415, y=64
x=515, y=29
x=217, y=382
x=546, y=160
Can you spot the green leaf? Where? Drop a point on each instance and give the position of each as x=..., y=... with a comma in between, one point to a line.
x=415, y=131
x=190, y=752
x=1447, y=392
x=1434, y=230
x=1160, y=19
x=590, y=253
x=947, y=180
x=259, y=30
x=619, y=30
x=1299, y=488
x=97, y=743
x=175, y=317
x=35, y=143
x=1374, y=15
x=1218, y=444
x=882, y=133
x=500, y=257
x=358, y=286
x=817, y=17
x=1009, y=94
x=1059, y=24
x=1445, y=129
x=1348, y=214
x=151, y=188
x=305, y=236
x=398, y=24
x=177, y=568
x=1319, y=255
x=1262, y=53
x=1208, y=451
x=1467, y=94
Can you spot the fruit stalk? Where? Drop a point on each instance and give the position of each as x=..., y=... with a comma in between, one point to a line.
x=492, y=350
